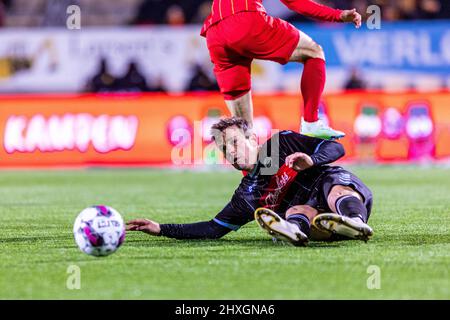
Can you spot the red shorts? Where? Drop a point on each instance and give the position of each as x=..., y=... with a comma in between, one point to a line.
x=238, y=39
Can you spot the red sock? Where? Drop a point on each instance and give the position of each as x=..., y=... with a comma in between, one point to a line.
x=312, y=84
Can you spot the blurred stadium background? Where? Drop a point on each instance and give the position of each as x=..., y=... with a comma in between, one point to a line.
x=117, y=90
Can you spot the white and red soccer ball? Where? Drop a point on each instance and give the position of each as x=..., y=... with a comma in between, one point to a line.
x=99, y=230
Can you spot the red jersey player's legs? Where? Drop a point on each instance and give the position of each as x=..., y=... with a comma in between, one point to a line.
x=235, y=41
x=277, y=40
x=313, y=80
x=234, y=82
x=231, y=67
x=312, y=84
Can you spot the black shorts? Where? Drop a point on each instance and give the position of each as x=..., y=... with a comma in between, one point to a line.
x=331, y=177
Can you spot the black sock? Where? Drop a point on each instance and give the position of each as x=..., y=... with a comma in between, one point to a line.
x=352, y=207
x=301, y=221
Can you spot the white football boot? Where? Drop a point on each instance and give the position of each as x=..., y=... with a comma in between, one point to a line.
x=344, y=226
x=279, y=228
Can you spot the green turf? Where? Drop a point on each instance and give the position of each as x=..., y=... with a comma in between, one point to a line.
x=411, y=219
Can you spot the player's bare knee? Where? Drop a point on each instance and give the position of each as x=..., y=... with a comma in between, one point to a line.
x=307, y=50
x=317, y=51
x=338, y=191
x=308, y=211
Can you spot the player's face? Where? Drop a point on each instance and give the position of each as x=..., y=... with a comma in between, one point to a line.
x=239, y=150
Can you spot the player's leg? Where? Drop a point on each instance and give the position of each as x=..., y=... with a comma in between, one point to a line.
x=301, y=215
x=234, y=81
x=347, y=202
x=232, y=68
x=240, y=105
x=294, y=230
x=350, y=213
x=313, y=80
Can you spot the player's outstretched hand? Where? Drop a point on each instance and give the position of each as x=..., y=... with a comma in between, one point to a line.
x=144, y=225
x=299, y=161
x=351, y=16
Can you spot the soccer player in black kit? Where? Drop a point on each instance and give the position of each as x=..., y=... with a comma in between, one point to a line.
x=288, y=187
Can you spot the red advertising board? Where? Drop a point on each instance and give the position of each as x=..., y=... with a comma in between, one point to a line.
x=74, y=130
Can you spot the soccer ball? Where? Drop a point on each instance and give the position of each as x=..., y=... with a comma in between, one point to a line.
x=99, y=230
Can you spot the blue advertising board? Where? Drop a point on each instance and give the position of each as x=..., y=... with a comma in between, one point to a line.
x=405, y=46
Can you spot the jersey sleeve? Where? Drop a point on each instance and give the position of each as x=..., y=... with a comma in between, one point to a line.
x=327, y=152
x=321, y=151
x=198, y=230
x=312, y=9
x=236, y=213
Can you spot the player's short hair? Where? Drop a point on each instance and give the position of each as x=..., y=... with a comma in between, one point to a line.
x=225, y=123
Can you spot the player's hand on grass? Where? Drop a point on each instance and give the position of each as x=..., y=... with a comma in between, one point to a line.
x=144, y=225
x=299, y=161
x=351, y=16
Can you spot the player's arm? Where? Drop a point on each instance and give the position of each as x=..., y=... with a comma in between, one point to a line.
x=199, y=230
x=315, y=10
x=317, y=152
x=231, y=217
x=326, y=152
x=234, y=215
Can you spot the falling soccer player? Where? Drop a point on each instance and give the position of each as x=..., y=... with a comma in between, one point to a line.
x=238, y=31
x=288, y=184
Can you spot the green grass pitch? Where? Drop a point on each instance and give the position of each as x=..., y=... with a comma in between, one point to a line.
x=411, y=246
